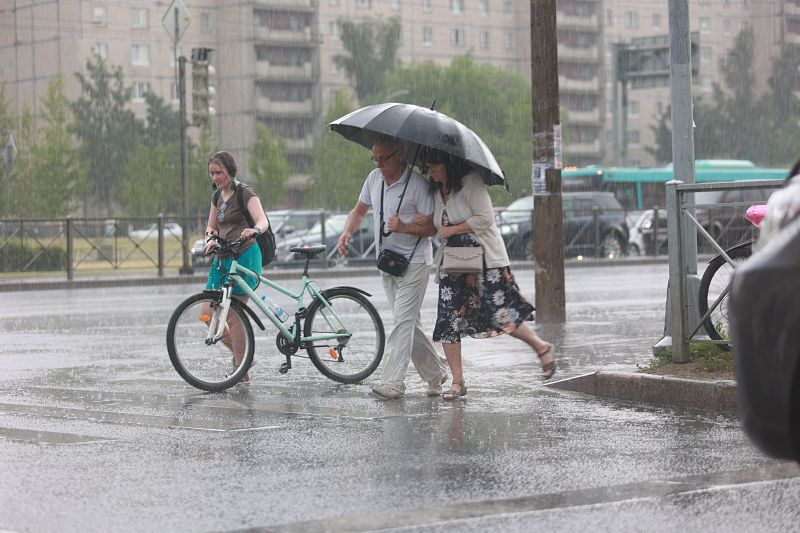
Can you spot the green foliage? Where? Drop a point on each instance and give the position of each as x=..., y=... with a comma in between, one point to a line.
x=14, y=257
x=340, y=166
x=707, y=357
x=107, y=130
x=736, y=124
x=269, y=168
x=57, y=178
x=200, y=189
x=151, y=182
x=371, y=53
x=493, y=102
x=163, y=125
x=7, y=126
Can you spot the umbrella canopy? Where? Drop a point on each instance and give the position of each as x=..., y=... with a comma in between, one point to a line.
x=420, y=126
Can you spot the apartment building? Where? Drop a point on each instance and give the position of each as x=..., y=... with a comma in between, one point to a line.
x=717, y=22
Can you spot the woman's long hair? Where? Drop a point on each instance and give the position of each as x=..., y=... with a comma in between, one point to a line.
x=455, y=168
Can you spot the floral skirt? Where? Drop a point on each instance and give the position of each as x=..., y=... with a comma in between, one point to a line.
x=478, y=305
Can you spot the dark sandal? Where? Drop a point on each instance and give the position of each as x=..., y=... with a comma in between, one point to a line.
x=548, y=369
x=453, y=394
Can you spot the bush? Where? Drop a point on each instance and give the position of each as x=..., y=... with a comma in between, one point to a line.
x=14, y=258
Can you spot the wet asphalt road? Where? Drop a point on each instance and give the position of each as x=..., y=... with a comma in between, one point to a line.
x=98, y=433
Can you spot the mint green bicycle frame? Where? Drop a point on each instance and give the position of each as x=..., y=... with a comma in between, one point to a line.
x=236, y=274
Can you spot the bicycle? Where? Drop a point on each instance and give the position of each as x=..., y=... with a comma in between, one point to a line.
x=211, y=343
x=715, y=284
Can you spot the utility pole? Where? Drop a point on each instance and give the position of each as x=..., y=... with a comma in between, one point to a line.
x=683, y=160
x=548, y=230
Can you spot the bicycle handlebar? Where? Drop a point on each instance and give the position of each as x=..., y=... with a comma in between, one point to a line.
x=224, y=246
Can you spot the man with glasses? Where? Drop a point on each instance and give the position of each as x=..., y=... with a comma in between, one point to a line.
x=390, y=181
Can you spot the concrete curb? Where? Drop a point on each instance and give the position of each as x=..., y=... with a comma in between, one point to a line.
x=717, y=396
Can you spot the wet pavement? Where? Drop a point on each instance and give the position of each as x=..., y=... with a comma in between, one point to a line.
x=98, y=432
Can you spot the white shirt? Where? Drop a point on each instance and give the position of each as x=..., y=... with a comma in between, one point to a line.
x=417, y=199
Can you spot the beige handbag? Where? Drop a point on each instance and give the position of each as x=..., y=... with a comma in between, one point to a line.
x=462, y=259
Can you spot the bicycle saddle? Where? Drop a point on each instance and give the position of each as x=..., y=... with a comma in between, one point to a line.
x=309, y=252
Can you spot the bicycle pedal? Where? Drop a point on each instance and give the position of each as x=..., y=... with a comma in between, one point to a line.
x=284, y=368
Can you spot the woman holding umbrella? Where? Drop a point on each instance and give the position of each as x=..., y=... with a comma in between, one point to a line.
x=479, y=305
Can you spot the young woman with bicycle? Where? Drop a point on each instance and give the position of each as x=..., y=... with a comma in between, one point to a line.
x=226, y=219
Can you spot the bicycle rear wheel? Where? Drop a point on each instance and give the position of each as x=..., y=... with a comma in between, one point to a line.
x=348, y=358
x=210, y=367
x=715, y=281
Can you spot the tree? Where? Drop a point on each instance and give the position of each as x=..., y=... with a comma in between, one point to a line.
x=57, y=177
x=493, y=102
x=151, y=181
x=107, y=130
x=163, y=125
x=371, y=53
x=7, y=126
x=339, y=166
x=269, y=168
x=200, y=189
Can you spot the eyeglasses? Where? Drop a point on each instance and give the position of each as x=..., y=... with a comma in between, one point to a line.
x=383, y=159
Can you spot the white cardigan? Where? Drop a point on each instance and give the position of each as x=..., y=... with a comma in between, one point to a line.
x=473, y=205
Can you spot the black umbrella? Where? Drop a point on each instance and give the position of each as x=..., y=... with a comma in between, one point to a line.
x=423, y=127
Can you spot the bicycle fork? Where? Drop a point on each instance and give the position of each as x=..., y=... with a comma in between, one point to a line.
x=219, y=318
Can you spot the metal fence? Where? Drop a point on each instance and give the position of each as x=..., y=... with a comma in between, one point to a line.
x=683, y=214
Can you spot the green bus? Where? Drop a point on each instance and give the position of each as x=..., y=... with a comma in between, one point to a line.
x=643, y=188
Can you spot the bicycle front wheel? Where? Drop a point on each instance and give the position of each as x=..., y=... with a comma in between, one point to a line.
x=715, y=281
x=357, y=352
x=210, y=366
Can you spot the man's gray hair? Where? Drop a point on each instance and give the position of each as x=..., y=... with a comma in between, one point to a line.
x=392, y=142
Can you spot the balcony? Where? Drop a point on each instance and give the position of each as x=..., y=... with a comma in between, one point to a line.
x=283, y=108
x=301, y=144
x=286, y=5
x=568, y=53
x=577, y=22
x=584, y=149
x=578, y=86
x=583, y=117
x=296, y=37
x=267, y=70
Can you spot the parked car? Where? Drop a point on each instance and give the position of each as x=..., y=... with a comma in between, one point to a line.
x=647, y=226
x=579, y=225
x=171, y=230
x=725, y=222
x=361, y=244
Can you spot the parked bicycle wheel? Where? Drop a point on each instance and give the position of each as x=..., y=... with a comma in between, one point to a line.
x=715, y=281
x=209, y=367
x=345, y=359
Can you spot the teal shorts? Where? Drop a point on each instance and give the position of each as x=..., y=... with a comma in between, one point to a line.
x=250, y=259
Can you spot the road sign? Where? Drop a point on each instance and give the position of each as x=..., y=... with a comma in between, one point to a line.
x=176, y=20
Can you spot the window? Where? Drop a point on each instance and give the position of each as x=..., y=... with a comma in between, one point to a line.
x=334, y=66
x=140, y=88
x=727, y=3
x=205, y=21
x=705, y=25
x=609, y=18
x=140, y=55
x=457, y=37
x=396, y=5
x=633, y=108
x=745, y=4
x=656, y=21
x=634, y=138
x=706, y=83
x=508, y=8
x=138, y=18
x=705, y=54
x=363, y=4
x=705, y=2
x=457, y=6
x=508, y=40
x=427, y=36
x=100, y=16
x=333, y=2
x=426, y=5
x=485, y=41
x=100, y=50
x=631, y=19
x=335, y=30
x=483, y=7
x=726, y=26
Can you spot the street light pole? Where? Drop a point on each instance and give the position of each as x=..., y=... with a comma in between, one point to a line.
x=187, y=264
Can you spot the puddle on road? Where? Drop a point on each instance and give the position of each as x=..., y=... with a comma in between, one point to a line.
x=46, y=437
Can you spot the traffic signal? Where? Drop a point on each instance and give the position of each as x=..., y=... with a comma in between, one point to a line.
x=202, y=90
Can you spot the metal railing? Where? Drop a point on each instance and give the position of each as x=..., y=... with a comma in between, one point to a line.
x=682, y=214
